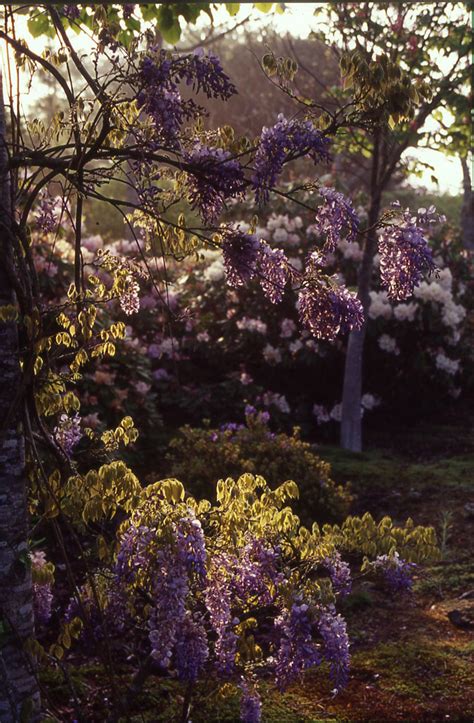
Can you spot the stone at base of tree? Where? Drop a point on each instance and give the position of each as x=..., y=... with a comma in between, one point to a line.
x=463, y=619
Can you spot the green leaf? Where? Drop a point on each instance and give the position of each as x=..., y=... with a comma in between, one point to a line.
x=133, y=24
x=41, y=25
x=232, y=8
x=172, y=34
x=125, y=38
x=168, y=25
x=149, y=12
x=191, y=11
x=264, y=7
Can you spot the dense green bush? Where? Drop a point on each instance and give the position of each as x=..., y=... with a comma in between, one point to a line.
x=199, y=457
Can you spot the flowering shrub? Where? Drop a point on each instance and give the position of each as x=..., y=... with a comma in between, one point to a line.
x=236, y=590
x=257, y=358
x=414, y=347
x=200, y=456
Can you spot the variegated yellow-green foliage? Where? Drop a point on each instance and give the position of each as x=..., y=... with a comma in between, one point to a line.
x=254, y=589
x=249, y=507
x=98, y=495
x=200, y=456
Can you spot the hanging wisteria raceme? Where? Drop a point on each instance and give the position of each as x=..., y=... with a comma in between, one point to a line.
x=285, y=140
x=204, y=73
x=128, y=10
x=101, y=606
x=339, y=572
x=240, y=253
x=297, y=650
x=397, y=573
x=333, y=630
x=191, y=546
x=335, y=217
x=255, y=574
x=129, y=299
x=71, y=11
x=405, y=254
x=191, y=649
x=219, y=605
x=161, y=72
x=48, y=212
x=250, y=702
x=329, y=310
x=134, y=555
x=42, y=592
x=274, y=272
x=214, y=178
x=169, y=592
x=68, y=432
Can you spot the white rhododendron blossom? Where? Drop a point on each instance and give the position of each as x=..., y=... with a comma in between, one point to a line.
x=288, y=328
x=389, y=344
x=215, y=271
x=271, y=354
x=351, y=250
x=257, y=325
x=279, y=401
x=295, y=346
x=280, y=235
x=321, y=413
x=450, y=366
x=369, y=401
x=380, y=305
x=336, y=412
x=405, y=312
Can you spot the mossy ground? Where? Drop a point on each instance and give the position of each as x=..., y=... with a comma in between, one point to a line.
x=409, y=662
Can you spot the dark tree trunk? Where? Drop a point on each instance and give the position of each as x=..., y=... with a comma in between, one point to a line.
x=467, y=210
x=351, y=420
x=19, y=697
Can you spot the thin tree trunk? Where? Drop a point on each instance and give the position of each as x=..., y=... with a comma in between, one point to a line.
x=467, y=210
x=19, y=697
x=351, y=420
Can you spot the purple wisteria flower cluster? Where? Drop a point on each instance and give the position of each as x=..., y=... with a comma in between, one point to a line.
x=213, y=177
x=329, y=310
x=71, y=11
x=336, y=216
x=297, y=650
x=42, y=592
x=285, y=140
x=324, y=309
x=203, y=590
x=159, y=77
x=223, y=622
x=128, y=9
x=68, y=432
x=191, y=649
x=405, y=253
x=397, y=573
x=246, y=257
x=47, y=212
x=339, y=572
x=250, y=702
x=333, y=630
x=241, y=252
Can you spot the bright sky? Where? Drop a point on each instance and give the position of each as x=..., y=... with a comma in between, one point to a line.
x=298, y=20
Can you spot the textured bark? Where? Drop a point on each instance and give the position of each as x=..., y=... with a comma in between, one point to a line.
x=19, y=698
x=467, y=210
